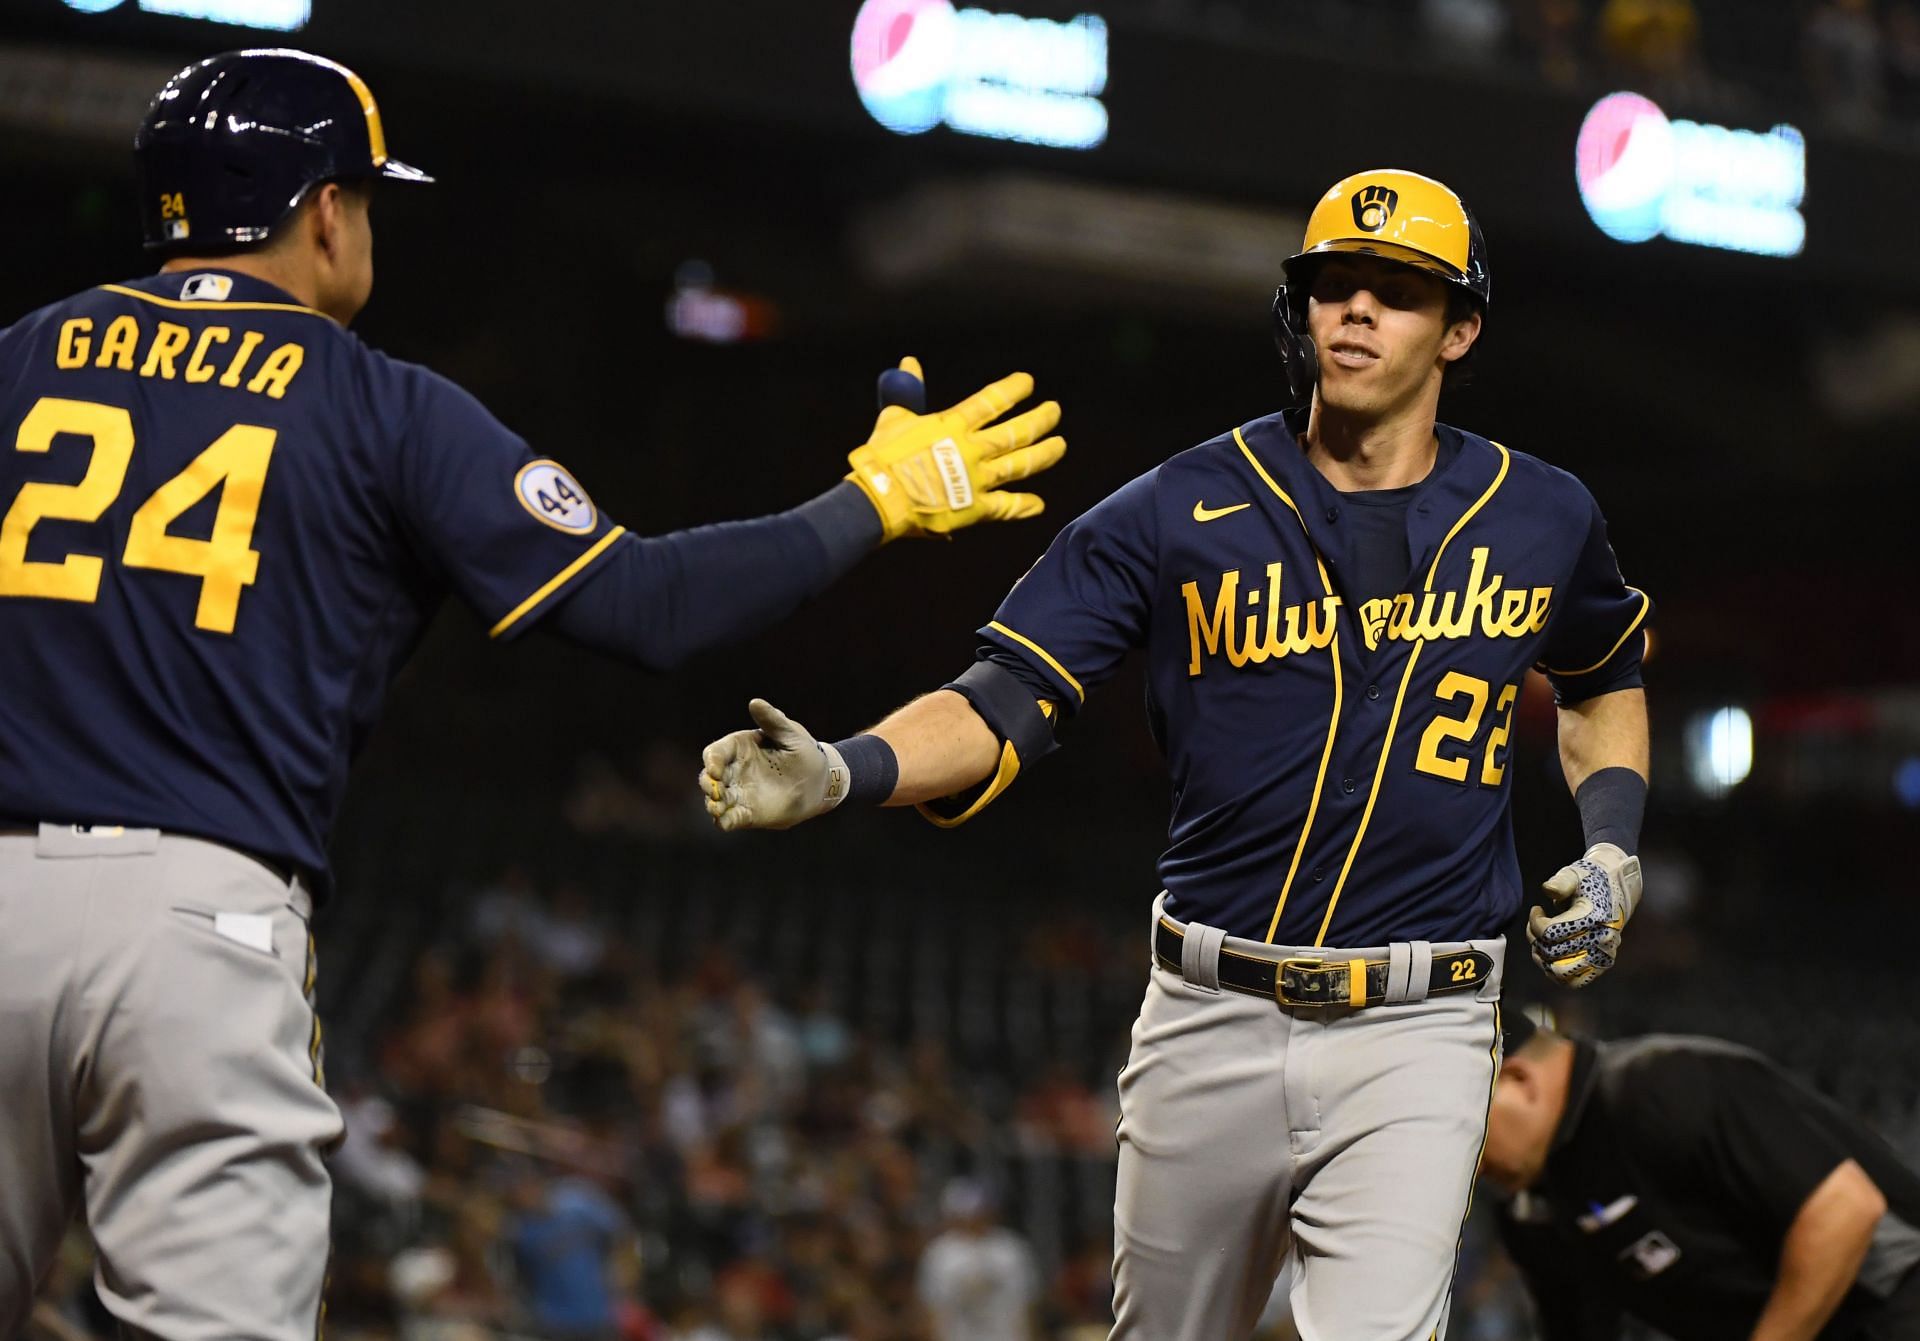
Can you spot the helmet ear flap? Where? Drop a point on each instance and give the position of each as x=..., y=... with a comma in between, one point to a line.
x=1298, y=357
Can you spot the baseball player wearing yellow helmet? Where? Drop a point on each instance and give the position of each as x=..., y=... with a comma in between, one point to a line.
x=1339, y=604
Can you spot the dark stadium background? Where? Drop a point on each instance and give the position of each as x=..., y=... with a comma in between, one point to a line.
x=1749, y=424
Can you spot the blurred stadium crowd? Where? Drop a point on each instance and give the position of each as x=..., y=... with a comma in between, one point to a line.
x=551, y=1139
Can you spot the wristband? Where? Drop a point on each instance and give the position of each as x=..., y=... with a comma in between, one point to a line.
x=873, y=770
x=1612, y=803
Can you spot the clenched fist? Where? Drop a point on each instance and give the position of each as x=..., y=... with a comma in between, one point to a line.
x=1600, y=892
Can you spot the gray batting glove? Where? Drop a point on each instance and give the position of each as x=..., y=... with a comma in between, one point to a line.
x=772, y=778
x=1600, y=892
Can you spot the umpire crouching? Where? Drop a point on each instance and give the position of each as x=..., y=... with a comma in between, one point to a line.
x=1699, y=1188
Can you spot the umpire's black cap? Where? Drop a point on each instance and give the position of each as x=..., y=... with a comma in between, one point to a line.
x=1519, y=1022
x=233, y=143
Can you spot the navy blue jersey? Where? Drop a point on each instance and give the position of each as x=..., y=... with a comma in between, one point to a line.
x=1339, y=766
x=226, y=522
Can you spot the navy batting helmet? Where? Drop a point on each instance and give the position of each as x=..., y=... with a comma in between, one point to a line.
x=232, y=145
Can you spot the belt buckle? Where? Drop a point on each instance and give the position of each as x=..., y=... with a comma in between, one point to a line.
x=1319, y=973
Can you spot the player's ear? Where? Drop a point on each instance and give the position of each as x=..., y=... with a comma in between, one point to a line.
x=1460, y=337
x=327, y=217
x=1518, y=1076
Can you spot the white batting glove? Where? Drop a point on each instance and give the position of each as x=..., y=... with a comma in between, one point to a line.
x=771, y=778
x=1600, y=892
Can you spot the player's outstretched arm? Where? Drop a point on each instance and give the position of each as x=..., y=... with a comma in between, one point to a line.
x=777, y=775
x=664, y=598
x=1604, y=753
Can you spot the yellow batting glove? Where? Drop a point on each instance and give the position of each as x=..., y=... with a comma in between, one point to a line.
x=928, y=474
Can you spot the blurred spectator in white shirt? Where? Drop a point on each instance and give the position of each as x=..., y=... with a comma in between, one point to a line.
x=978, y=1279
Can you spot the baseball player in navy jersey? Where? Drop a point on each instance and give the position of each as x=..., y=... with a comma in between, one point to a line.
x=224, y=524
x=1339, y=604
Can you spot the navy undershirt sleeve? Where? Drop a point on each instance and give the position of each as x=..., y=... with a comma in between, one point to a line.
x=660, y=599
x=1021, y=670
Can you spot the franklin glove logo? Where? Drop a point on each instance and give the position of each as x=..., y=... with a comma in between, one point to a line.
x=953, y=474
x=1373, y=206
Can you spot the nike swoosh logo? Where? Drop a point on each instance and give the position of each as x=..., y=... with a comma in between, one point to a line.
x=1203, y=513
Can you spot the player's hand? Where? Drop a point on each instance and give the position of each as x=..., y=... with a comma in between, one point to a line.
x=771, y=778
x=1600, y=892
x=928, y=474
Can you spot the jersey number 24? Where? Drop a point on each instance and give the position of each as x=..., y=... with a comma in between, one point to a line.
x=225, y=563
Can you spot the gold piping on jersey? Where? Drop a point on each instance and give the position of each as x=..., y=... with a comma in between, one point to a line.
x=1473, y=1174
x=1646, y=603
x=1399, y=698
x=1261, y=471
x=320, y=1314
x=1003, y=778
x=1043, y=654
x=314, y=1041
x=553, y=583
x=1333, y=719
x=186, y=305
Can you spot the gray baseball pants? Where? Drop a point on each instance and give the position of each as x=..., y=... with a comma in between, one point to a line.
x=160, y=1065
x=1339, y=1142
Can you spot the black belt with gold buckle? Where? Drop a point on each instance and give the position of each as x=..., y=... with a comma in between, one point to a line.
x=1324, y=982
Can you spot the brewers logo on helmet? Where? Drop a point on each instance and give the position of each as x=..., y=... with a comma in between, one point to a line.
x=232, y=144
x=1395, y=215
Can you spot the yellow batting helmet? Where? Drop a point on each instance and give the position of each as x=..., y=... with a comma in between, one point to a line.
x=1390, y=213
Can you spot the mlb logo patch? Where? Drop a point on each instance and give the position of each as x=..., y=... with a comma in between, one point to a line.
x=207, y=288
x=1651, y=1254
